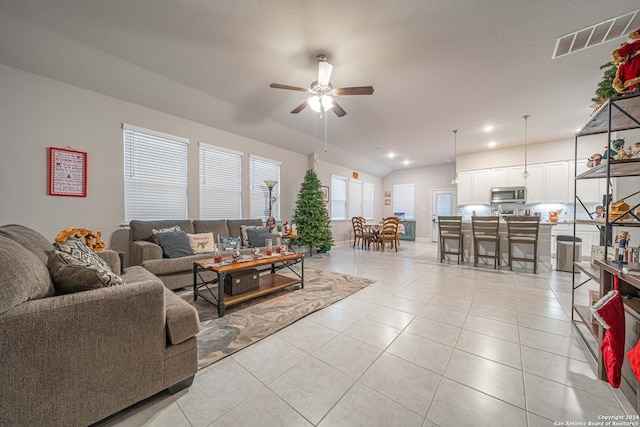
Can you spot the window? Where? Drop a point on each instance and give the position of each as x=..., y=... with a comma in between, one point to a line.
x=155, y=175
x=403, y=199
x=367, y=200
x=338, y=197
x=355, y=198
x=220, y=183
x=262, y=169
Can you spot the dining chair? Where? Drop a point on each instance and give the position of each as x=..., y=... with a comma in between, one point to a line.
x=389, y=233
x=359, y=233
x=450, y=228
x=523, y=230
x=485, y=229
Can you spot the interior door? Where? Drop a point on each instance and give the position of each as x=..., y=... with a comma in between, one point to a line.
x=443, y=203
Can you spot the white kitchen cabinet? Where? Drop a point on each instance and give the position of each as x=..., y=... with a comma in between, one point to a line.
x=499, y=177
x=535, y=184
x=514, y=176
x=556, y=179
x=481, y=187
x=465, y=188
x=589, y=190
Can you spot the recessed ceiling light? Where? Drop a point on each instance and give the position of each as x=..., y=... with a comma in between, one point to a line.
x=488, y=128
x=379, y=147
x=406, y=162
x=391, y=155
x=492, y=144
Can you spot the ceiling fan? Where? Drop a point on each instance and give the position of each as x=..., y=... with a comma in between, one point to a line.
x=322, y=92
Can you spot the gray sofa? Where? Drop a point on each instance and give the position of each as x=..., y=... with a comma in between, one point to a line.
x=177, y=273
x=74, y=359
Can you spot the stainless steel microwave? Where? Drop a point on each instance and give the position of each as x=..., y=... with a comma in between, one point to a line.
x=508, y=195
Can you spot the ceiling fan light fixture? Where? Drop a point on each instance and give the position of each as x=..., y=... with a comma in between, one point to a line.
x=317, y=102
x=324, y=73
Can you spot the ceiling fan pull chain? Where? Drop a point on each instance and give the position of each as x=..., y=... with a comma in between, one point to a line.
x=325, y=133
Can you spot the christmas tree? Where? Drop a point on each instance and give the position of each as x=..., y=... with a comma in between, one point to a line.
x=310, y=214
x=605, y=89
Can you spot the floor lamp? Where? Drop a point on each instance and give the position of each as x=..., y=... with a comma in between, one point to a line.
x=271, y=222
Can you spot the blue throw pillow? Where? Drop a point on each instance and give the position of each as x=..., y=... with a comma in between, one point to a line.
x=227, y=243
x=257, y=236
x=175, y=244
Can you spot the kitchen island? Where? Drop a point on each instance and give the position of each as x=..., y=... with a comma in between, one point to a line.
x=544, y=247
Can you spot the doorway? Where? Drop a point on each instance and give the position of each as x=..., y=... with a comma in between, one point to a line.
x=443, y=203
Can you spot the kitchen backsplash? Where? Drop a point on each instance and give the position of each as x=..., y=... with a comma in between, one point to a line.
x=566, y=215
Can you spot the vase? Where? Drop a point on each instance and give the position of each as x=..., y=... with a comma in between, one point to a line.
x=553, y=218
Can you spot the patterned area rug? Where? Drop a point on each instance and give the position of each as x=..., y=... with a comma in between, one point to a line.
x=249, y=322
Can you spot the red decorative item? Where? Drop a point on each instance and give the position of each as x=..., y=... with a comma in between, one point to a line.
x=627, y=59
x=634, y=359
x=609, y=313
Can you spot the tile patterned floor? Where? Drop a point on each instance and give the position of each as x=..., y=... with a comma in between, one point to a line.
x=428, y=344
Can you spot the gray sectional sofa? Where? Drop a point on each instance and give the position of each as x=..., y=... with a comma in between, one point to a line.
x=177, y=273
x=74, y=359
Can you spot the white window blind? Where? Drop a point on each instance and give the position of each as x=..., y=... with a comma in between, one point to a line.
x=261, y=169
x=338, y=197
x=355, y=198
x=220, y=183
x=403, y=199
x=367, y=200
x=155, y=175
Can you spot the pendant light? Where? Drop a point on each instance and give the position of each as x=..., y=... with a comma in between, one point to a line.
x=526, y=173
x=455, y=153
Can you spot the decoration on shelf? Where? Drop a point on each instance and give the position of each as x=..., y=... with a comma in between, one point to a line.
x=599, y=212
x=609, y=313
x=622, y=241
x=455, y=153
x=605, y=89
x=526, y=173
x=594, y=160
x=310, y=214
x=616, y=145
x=271, y=221
x=617, y=208
x=286, y=228
x=627, y=61
x=635, y=152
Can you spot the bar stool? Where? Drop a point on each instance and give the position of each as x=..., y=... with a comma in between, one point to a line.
x=450, y=228
x=485, y=229
x=523, y=230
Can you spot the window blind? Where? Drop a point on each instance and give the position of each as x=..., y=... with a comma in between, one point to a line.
x=261, y=169
x=367, y=200
x=220, y=183
x=338, y=198
x=403, y=199
x=355, y=198
x=155, y=175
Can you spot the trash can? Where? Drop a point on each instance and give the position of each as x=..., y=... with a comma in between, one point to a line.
x=564, y=252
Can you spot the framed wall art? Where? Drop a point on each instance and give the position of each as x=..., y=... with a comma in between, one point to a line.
x=325, y=193
x=67, y=172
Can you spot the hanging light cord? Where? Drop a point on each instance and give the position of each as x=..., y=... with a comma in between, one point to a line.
x=325, y=133
x=526, y=121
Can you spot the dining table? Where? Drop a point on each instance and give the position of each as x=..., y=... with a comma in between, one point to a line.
x=376, y=228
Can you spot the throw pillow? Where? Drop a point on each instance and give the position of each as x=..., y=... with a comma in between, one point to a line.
x=175, y=244
x=77, y=248
x=201, y=243
x=164, y=230
x=71, y=275
x=257, y=237
x=228, y=243
x=244, y=235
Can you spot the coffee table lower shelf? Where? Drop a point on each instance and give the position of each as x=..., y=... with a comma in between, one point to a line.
x=268, y=283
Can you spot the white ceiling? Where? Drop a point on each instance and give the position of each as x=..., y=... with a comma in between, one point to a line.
x=435, y=66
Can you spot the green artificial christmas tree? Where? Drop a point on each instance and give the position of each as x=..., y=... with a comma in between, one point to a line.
x=605, y=89
x=310, y=215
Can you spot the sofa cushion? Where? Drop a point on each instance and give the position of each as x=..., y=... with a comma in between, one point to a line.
x=30, y=239
x=216, y=226
x=167, y=266
x=163, y=230
x=244, y=236
x=78, y=249
x=174, y=244
x=258, y=237
x=182, y=318
x=234, y=225
x=71, y=275
x=201, y=243
x=23, y=276
x=142, y=230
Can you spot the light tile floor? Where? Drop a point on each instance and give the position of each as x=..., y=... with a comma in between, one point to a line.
x=428, y=344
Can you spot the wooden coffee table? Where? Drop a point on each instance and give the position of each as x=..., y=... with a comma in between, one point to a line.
x=269, y=280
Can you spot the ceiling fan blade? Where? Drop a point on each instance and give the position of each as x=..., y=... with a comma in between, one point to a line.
x=279, y=86
x=324, y=73
x=300, y=107
x=338, y=109
x=359, y=90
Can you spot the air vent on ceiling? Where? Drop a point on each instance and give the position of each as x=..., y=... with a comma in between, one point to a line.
x=597, y=34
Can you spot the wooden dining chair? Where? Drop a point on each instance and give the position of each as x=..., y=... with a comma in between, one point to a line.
x=486, y=229
x=523, y=230
x=450, y=228
x=360, y=235
x=389, y=233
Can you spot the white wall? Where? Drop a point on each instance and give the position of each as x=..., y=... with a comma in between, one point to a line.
x=426, y=179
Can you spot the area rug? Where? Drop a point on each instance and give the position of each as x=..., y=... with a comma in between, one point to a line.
x=250, y=321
